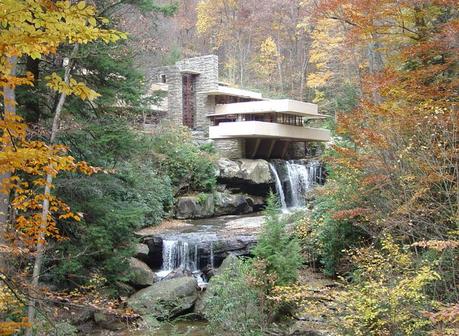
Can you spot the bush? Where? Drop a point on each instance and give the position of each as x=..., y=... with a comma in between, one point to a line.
x=337, y=219
x=190, y=167
x=113, y=208
x=232, y=306
x=386, y=295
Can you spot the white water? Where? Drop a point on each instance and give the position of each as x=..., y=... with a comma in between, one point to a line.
x=177, y=254
x=279, y=189
x=298, y=179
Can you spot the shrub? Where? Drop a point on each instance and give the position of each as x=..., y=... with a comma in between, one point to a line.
x=189, y=166
x=113, y=205
x=232, y=306
x=386, y=295
x=337, y=219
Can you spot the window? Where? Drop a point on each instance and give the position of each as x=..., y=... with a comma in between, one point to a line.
x=189, y=99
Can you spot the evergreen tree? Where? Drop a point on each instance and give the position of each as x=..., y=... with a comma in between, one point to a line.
x=280, y=251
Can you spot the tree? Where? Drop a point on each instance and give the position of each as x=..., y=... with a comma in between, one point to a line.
x=36, y=28
x=398, y=158
x=276, y=249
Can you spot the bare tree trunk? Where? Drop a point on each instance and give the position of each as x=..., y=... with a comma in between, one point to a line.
x=376, y=64
x=304, y=69
x=40, y=250
x=9, y=103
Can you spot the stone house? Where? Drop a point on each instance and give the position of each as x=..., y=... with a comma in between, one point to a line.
x=241, y=123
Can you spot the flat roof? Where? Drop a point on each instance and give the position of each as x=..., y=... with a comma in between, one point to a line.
x=287, y=106
x=234, y=92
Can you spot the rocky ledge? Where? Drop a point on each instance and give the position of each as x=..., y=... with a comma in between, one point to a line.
x=243, y=185
x=213, y=238
x=244, y=170
x=207, y=205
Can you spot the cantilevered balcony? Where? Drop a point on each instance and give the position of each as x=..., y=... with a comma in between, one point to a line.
x=271, y=119
x=270, y=130
x=286, y=106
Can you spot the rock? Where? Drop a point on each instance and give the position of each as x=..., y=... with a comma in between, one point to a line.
x=256, y=171
x=256, y=202
x=302, y=328
x=141, y=252
x=201, y=206
x=251, y=171
x=165, y=299
x=124, y=289
x=228, y=262
x=200, y=307
x=108, y=321
x=231, y=204
x=141, y=249
x=217, y=204
x=141, y=274
x=228, y=168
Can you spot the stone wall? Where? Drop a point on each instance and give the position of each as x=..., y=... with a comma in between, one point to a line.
x=206, y=70
x=296, y=150
x=230, y=148
x=206, y=80
x=174, y=96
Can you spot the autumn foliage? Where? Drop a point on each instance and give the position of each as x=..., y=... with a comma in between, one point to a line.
x=36, y=29
x=393, y=167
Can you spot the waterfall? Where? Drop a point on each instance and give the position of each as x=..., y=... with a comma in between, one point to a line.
x=279, y=189
x=294, y=179
x=183, y=255
x=170, y=248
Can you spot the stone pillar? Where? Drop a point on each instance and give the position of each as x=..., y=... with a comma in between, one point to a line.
x=206, y=69
x=230, y=148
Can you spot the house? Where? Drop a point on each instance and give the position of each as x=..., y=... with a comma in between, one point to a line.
x=241, y=123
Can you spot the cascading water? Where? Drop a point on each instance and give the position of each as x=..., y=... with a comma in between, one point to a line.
x=279, y=189
x=178, y=255
x=294, y=179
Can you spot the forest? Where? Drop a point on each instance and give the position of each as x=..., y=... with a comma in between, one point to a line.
x=119, y=218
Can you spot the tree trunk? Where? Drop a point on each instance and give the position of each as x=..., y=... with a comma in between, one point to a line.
x=9, y=103
x=40, y=250
x=376, y=64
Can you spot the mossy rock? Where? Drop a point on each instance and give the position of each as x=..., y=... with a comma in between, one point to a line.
x=165, y=299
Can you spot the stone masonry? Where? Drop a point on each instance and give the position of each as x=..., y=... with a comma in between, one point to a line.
x=205, y=69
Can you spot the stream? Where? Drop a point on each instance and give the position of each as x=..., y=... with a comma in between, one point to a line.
x=197, y=247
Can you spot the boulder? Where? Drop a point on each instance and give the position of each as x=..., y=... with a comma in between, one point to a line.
x=231, y=204
x=140, y=274
x=165, y=299
x=255, y=171
x=141, y=249
x=217, y=204
x=228, y=168
x=200, y=206
x=256, y=202
x=251, y=171
x=305, y=328
x=124, y=290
